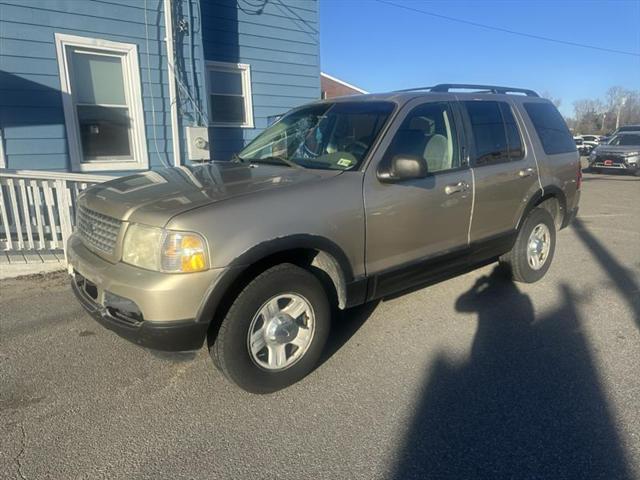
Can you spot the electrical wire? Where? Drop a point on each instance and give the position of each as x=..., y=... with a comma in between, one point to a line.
x=185, y=90
x=506, y=30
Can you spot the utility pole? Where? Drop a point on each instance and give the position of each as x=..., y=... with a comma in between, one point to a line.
x=624, y=100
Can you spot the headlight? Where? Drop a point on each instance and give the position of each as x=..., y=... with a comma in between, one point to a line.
x=592, y=155
x=634, y=159
x=632, y=154
x=163, y=250
x=183, y=252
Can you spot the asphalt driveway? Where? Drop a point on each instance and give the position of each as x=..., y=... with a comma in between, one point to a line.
x=472, y=378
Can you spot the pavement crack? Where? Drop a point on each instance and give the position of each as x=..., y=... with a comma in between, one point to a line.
x=23, y=443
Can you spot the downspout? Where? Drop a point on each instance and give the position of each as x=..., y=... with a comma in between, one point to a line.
x=171, y=73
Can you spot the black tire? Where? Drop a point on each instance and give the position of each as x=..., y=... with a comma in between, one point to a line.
x=516, y=261
x=229, y=350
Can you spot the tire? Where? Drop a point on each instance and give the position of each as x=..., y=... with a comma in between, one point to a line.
x=266, y=371
x=517, y=261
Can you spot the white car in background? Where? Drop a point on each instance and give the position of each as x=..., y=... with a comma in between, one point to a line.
x=580, y=145
x=590, y=142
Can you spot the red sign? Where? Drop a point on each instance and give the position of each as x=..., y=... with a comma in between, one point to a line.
x=608, y=162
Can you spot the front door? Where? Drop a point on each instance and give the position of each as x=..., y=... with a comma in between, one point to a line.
x=411, y=223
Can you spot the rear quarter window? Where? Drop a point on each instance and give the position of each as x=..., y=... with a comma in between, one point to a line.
x=551, y=128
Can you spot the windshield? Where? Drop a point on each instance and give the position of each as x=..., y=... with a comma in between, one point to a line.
x=627, y=139
x=329, y=136
x=629, y=128
x=589, y=138
x=578, y=141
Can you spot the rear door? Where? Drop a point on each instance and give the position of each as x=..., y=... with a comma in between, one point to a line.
x=504, y=170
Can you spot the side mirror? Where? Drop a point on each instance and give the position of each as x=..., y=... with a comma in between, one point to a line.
x=403, y=167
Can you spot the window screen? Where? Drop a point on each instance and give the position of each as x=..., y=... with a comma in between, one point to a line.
x=102, y=111
x=229, y=95
x=551, y=128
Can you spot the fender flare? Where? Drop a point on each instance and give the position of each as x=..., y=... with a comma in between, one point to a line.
x=551, y=191
x=218, y=291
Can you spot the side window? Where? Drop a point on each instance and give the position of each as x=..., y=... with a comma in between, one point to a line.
x=514, y=139
x=488, y=132
x=551, y=128
x=429, y=132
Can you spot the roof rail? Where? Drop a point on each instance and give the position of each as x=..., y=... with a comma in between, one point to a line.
x=445, y=87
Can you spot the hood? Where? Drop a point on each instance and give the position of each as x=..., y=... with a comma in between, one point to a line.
x=616, y=149
x=154, y=197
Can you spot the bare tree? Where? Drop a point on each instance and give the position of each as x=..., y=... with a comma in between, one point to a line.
x=557, y=101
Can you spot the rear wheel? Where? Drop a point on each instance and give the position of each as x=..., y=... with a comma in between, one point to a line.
x=532, y=253
x=275, y=330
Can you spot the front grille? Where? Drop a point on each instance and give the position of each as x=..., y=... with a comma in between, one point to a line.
x=98, y=231
x=613, y=157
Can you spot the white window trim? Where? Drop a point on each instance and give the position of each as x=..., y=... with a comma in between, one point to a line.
x=3, y=160
x=133, y=93
x=245, y=70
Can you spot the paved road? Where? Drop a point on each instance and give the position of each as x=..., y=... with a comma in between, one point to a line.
x=471, y=378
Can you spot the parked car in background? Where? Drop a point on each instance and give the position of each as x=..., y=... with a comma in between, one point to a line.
x=580, y=146
x=626, y=128
x=590, y=142
x=340, y=202
x=621, y=154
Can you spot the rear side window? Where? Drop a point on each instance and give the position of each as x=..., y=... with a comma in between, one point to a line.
x=495, y=132
x=551, y=128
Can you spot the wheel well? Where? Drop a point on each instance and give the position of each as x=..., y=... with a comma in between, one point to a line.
x=320, y=263
x=555, y=206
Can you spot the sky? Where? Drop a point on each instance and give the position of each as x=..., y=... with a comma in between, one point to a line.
x=379, y=47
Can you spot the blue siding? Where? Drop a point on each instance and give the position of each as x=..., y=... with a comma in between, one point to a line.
x=31, y=115
x=279, y=40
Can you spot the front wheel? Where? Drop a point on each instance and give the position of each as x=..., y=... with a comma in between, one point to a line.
x=275, y=330
x=532, y=253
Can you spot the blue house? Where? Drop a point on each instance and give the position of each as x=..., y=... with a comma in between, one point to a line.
x=115, y=86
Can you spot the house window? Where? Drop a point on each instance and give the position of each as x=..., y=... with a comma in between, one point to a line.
x=229, y=86
x=100, y=81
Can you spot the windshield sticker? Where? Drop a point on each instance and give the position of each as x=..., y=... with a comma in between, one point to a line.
x=344, y=162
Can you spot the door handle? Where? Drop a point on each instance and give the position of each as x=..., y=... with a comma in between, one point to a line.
x=455, y=187
x=527, y=172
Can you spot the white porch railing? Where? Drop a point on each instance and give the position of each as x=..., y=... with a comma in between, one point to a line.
x=37, y=208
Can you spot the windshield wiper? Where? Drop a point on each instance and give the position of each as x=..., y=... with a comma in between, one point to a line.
x=273, y=160
x=237, y=158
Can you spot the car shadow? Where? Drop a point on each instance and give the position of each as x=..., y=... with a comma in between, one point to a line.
x=526, y=404
x=619, y=274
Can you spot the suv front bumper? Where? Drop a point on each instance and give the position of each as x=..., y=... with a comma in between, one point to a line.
x=157, y=310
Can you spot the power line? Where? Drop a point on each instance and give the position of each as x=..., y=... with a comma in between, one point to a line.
x=506, y=30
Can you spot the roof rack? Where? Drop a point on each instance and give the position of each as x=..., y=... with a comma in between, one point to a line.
x=445, y=87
